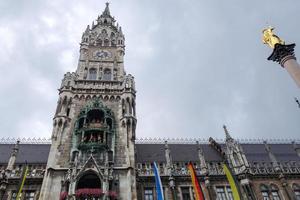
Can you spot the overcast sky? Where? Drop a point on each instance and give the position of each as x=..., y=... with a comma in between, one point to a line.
x=197, y=64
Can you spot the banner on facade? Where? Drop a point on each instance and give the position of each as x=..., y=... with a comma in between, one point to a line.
x=23, y=178
x=158, y=185
x=232, y=182
x=197, y=188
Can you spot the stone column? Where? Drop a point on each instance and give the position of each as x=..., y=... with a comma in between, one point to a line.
x=285, y=56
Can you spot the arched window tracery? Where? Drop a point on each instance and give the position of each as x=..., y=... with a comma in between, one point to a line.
x=107, y=75
x=92, y=74
x=106, y=42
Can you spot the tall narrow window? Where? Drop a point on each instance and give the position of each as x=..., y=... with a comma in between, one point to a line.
x=229, y=192
x=107, y=75
x=221, y=195
x=224, y=193
x=264, y=192
x=29, y=195
x=92, y=74
x=14, y=195
x=275, y=192
x=106, y=42
x=185, y=192
x=148, y=194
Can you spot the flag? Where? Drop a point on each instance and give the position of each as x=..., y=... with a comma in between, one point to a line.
x=232, y=182
x=197, y=189
x=24, y=174
x=158, y=185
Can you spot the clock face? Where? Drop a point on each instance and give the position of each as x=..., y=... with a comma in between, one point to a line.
x=102, y=54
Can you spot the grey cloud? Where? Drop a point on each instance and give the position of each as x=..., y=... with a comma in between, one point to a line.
x=197, y=64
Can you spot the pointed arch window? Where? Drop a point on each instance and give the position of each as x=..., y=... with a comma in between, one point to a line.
x=107, y=75
x=104, y=32
x=92, y=74
x=112, y=35
x=113, y=43
x=106, y=42
x=275, y=192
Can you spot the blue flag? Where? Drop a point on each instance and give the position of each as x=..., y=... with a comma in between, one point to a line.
x=159, y=190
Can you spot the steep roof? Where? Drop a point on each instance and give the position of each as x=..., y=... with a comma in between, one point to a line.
x=38, y=153
x=32, y=153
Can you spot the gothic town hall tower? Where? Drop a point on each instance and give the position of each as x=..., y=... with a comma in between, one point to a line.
x=92, y=151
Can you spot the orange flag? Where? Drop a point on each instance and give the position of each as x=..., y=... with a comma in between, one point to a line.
x=196, y=186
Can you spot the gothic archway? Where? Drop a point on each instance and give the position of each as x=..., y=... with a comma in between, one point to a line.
x=89, y=180
x=89, y=186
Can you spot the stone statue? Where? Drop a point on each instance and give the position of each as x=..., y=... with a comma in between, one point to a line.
x=270, y=38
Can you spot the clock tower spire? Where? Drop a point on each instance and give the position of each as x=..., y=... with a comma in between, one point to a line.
x=94, y=124
x=102, y=49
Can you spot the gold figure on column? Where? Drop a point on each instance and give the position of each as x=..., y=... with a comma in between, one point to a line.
x=270, y=38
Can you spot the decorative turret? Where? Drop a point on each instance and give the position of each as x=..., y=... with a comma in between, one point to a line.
x=106, y=12
x=13, y=157
x=169, y=169
x=228, y=137
x=102, y=49
x=272, y=157
x=203, y=166
x=235, y=153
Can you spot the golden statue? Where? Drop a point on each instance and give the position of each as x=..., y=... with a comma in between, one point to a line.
x=270, y=38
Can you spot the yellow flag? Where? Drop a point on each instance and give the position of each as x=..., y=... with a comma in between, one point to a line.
x=22, y=183
x=232, y=183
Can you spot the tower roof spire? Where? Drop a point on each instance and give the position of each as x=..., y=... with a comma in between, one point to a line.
x=228, y=137
x=106, y=11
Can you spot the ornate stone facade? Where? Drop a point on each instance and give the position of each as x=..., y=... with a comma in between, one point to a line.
x=94, y=154
x=94, y=124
